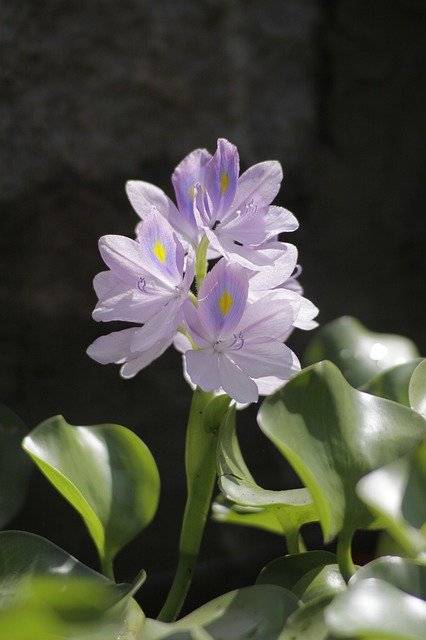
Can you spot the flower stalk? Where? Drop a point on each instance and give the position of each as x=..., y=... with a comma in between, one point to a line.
x=200, y=462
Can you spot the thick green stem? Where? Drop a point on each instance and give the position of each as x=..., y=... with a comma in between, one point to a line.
x=201, y=261
x=200, y=462
x=344, y=555
x=107, y=567
x=293, y=541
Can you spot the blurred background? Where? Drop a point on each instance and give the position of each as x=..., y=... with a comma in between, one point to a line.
x=97, y=92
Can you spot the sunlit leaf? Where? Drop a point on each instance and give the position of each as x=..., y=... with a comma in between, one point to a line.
x=393, y=383
x=288, y=570
x=292, y=508
x=15, y=467
x=45, y=589
x=417, y=389
x=359, y=353
x=396, y=493
x=228, y=512
x=257, y=612
x=107, y=474
x=385, y=599
x=333, y=435
x=319, y=583
x=308, y=623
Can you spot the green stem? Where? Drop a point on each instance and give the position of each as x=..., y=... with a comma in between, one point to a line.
x=344, y=555
x=200, y=462
x=107, y=568
x=292, y=539
x=201, y=261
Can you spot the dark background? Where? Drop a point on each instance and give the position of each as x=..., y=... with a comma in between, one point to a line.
x=96, y=92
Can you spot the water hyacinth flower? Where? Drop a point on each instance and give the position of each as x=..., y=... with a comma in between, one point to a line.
x=233, y=211
x=238, y=344
x=148, y=282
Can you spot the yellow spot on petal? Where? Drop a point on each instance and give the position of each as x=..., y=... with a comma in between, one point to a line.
x=159, y=251
x=191, y=192
x=224, y=182
x=225, y=303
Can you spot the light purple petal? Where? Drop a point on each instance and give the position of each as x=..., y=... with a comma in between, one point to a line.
x=222, y=299
x=181, y=343
x=135, y=364
x=196, y=328
x=284, y=257
x=186, y=175
x=114, y=347
x=161, y=326
x=279, y=220
x=123, y=256
x=202, y=368
x=237, y=384
x=127, y=304
x=248, y=257
x=147, y=199
x=264, y=357
x=307, y=311
x=260, y=184
x=221, y=175
x=268, y=385
x=271, y=316
x=104, y=282
x=162, y=254
x=245, y=227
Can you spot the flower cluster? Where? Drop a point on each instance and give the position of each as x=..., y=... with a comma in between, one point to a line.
x=230, y=323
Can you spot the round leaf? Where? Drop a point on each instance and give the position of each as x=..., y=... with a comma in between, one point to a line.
x=15, y=467
x=287, y=571
x=360, y=354
x=403, y=573
x=373, y=608
x=333, y=435
x=308, y=623
x=396, y=493
x=258, y=612
x=45, y=589
x=417, y=389
x=107, y=474
x=393, y=383
x=319, y=583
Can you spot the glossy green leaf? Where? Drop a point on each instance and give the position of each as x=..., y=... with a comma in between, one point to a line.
x=308, y=622
x=258, y=612
x=107, y=474
x=333, y=435
x=288, y=570
x=417, y=389
x=385, y=599
x=359, y=353
x=393, y=383
x=319, y=583
x=15, y=467
x=43, y=587
x=228, y=512
x=396, y=493
x=292, y=508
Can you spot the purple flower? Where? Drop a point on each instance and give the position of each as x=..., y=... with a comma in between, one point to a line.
x=148, y=283
x=238, y=344
x=235, y=212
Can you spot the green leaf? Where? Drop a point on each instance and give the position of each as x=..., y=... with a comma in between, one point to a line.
x=385, y=599
x=15, y=467
x=258, y=612
x=396, y=493
x=333, y=435
x=287, y=571
x=308, y=623
x=228, y=512
x=292, y=508
x=417, y=389
x=44, y=588
x=393, y=383
x=319, y=583
x=360, y=354
x=106, y=473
